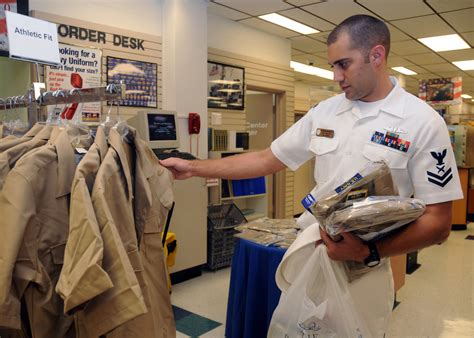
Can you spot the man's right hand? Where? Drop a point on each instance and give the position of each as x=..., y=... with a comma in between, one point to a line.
x=181, y=169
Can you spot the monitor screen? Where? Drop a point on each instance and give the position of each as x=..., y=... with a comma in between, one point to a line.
x=157, y=127
x=161, y=127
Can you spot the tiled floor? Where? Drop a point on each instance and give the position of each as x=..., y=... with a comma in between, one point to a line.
x=437, y=300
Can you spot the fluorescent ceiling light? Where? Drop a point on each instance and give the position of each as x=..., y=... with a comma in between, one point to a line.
x=466, y=96
x=302, y=68
x=444, y=43
x=464, y=65
x=283, y=21
x=404, y=70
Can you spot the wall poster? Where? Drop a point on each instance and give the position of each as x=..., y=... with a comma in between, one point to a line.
x=80, y=68
x=442, y=91
x=225, y=86
x=17, y=6
x=140, y=79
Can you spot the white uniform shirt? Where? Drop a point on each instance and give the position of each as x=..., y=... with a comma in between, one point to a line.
x=344, y=136
x=425, y=167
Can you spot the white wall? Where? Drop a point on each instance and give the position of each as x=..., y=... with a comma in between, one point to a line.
x=139, y=15
x=238, y=38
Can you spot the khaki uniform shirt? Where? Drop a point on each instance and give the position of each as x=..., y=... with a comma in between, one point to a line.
x=9, y=157
x=153, y=197
x=112, y=202
x=34, y=205
x=96, y=262
x=11, y=141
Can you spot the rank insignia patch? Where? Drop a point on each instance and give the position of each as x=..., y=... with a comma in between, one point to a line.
x=443, y=175
x=391, y=140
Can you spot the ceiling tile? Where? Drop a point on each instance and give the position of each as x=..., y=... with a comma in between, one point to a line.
x=451, y=5
x=302, y=2
x=307, y=18
x=452, y=74
x=408, y=48
x=401, y=9
x=424, y=26
x=307, y=44
x=459, y=55
x=469, y=37
x=419, y=70
x=269, y=27
x=425, y=59
x=336, y=11
x=441, y=67
x=310, y=58
x=462, y=21
x=295, y=52
x=256, y=7
x=396, y=61
x=225, y=12
x=397, y=35
x=470, y=72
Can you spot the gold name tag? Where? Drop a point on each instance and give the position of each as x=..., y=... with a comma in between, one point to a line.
x=329, y=133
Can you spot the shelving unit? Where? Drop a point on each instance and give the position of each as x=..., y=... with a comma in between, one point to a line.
x=256, y=203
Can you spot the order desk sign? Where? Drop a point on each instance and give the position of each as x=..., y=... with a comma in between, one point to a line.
x=32, y=39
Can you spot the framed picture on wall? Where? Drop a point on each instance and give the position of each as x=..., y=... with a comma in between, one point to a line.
x=140, y=79
x=225, y=86
x=17, y=6
x=442, y=91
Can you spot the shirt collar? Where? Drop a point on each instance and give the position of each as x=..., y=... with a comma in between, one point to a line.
x=116, y=142
x=34, y=130
x=101, y=142
x=66, y=163
x=394, y=103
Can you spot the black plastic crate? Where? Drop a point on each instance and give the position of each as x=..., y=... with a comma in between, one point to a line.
x=221, y=223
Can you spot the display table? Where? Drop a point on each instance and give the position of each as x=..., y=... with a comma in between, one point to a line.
x=253, y=293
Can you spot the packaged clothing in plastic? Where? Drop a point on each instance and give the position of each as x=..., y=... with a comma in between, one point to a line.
x=318, y=303
x=372, y=180
x=374, y=216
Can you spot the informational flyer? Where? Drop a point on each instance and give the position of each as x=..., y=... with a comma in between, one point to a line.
x=5, y=5
x=80, y=68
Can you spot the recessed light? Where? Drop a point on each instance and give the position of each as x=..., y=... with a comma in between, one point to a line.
x=404, y=70
x=464, y=65
x=466, y=96
x=444, y=43
x=302, y=68
x=283, y=21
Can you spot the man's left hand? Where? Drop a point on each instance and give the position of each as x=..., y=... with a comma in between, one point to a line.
x=350, y=248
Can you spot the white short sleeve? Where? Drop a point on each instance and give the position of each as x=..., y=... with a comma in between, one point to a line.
x=433, y=167
x=292, y=147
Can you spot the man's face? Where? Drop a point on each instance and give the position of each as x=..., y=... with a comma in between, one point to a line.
x=352, y=69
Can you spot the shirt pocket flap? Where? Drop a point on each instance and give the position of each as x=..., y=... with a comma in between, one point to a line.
x=323, y=145
x=394, y=158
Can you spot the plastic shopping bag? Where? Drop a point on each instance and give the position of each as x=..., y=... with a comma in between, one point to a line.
x=318, y=303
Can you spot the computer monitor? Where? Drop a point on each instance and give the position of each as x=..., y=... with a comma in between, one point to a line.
x=158, y=128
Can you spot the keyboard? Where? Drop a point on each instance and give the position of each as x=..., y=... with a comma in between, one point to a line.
x=178, y=154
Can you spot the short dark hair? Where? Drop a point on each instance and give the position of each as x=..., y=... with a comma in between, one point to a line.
x=365, y=32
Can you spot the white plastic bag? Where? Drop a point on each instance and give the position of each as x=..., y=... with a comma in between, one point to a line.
x=318, y=303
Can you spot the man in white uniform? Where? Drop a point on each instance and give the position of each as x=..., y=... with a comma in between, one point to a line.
x=374, y=119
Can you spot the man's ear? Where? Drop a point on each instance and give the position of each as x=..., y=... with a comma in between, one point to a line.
x=377, y=55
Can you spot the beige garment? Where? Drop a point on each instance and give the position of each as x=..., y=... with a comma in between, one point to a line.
x=34, y=205
x=134, y=206
x=112, y=202
x=11, y=141
x=153, y=198
x=9, y=157
x=96, y=262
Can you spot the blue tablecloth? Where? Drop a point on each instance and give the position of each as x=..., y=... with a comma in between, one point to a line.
x=253, y=293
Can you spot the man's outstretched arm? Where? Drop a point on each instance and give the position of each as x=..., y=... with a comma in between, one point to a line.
x=246, y=165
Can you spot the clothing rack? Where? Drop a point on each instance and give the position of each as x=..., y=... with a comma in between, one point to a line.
x=33, y=102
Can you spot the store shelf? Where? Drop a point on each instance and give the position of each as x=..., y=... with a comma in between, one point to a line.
x=241, y=197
